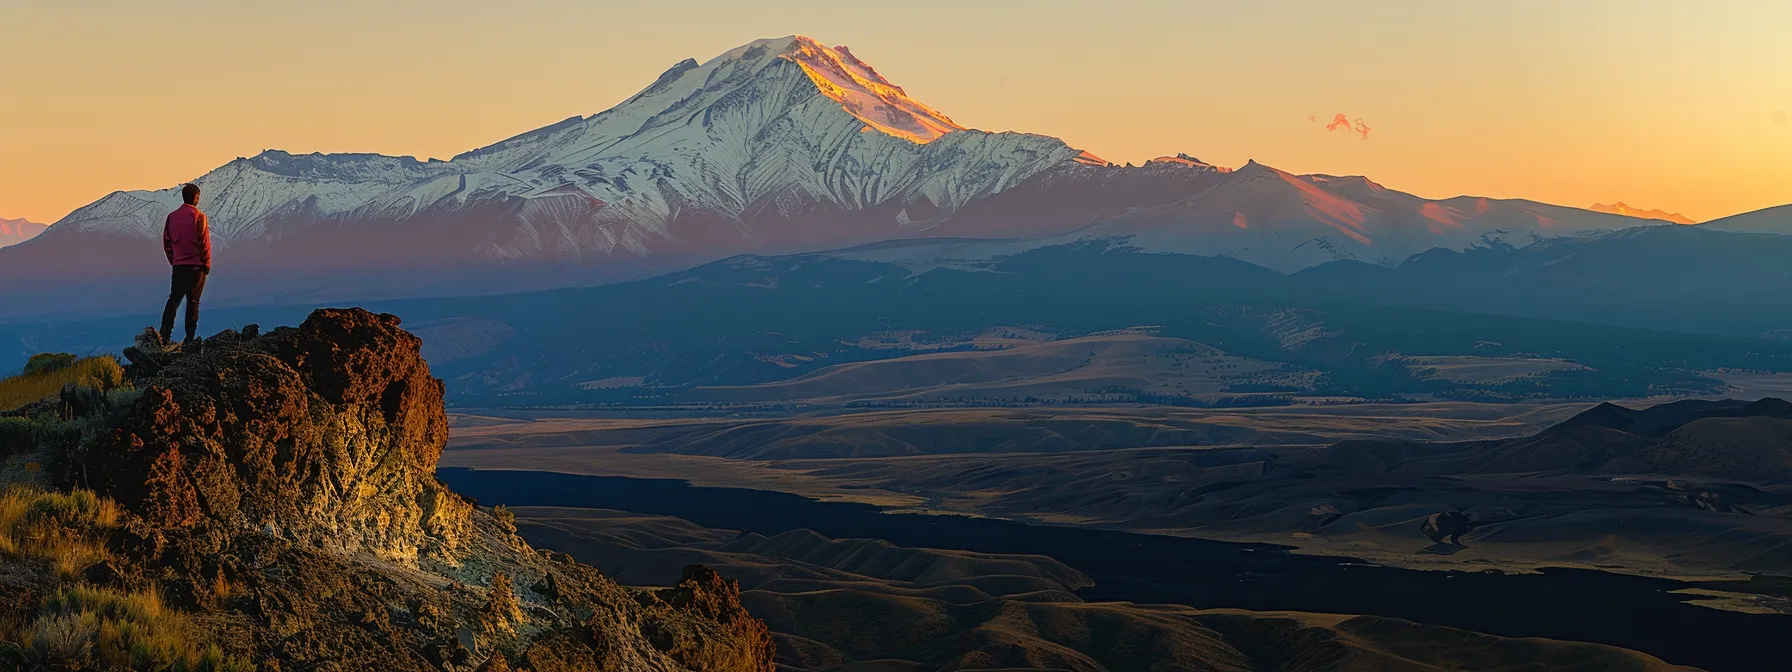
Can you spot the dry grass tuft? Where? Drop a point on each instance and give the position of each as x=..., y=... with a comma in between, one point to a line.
x=223, y=588
x=85, y=627
x=68, y=529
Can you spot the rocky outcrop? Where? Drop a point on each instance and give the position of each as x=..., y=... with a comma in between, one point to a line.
x=730, y=639
x=283, y=485
x=327, y=432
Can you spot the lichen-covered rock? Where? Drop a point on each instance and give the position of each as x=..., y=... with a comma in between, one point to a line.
x=283, y=484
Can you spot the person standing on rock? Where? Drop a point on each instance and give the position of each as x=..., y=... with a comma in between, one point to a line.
x=187, y=240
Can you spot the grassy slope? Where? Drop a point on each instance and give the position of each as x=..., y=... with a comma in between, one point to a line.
x=24, y=389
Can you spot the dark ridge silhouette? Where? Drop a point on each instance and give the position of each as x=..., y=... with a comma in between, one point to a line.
x=1662, y=418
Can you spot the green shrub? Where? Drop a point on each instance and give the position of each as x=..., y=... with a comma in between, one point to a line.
x=57, y=442
x=47, y=362
x=55, y=435
x=16, y=436
x=58, y=448
x=102, y=373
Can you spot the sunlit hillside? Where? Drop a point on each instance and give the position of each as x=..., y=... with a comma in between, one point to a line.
x=46, y=374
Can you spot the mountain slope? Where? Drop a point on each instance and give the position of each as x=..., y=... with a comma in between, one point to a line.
x=1289, y=222
x=779, y=146
x=1682, y=278
x=1775, y=220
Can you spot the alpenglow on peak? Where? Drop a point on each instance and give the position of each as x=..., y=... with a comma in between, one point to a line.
x=865, y=94
x=841, y=76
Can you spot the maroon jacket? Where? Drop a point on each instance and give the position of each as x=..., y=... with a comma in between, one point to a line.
x=187, y=238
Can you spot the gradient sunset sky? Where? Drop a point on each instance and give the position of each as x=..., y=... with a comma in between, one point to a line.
x=1661, y=104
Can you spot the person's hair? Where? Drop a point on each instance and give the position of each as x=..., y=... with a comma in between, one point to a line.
x=190, y=193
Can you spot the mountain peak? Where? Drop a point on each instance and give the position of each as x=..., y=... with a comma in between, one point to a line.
x=1251, y=167
x=835, y=72
x=1619, y=208
x=864, y=93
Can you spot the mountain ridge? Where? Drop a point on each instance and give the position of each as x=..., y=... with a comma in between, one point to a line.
x=779, y=146
x=1776, y=220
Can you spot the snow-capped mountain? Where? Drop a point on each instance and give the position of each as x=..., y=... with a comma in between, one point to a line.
x=1288, y=222
x=784, y=125
x=1256, y=214
x=783, y=145
x=15, y=231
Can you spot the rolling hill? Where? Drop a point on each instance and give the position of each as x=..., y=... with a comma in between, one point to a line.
x=1639, y=312
x=838, y=604
x=1687, y=488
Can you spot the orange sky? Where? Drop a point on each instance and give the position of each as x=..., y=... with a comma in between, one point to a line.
x=1673, y=105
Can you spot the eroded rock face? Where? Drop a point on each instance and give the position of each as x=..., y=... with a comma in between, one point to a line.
x=284, y=483
x=328, y=432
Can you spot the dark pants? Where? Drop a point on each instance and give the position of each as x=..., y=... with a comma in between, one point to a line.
x=188, y=283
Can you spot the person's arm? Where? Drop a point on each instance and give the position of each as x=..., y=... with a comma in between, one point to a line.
x=168, y=238
x=205, y=242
